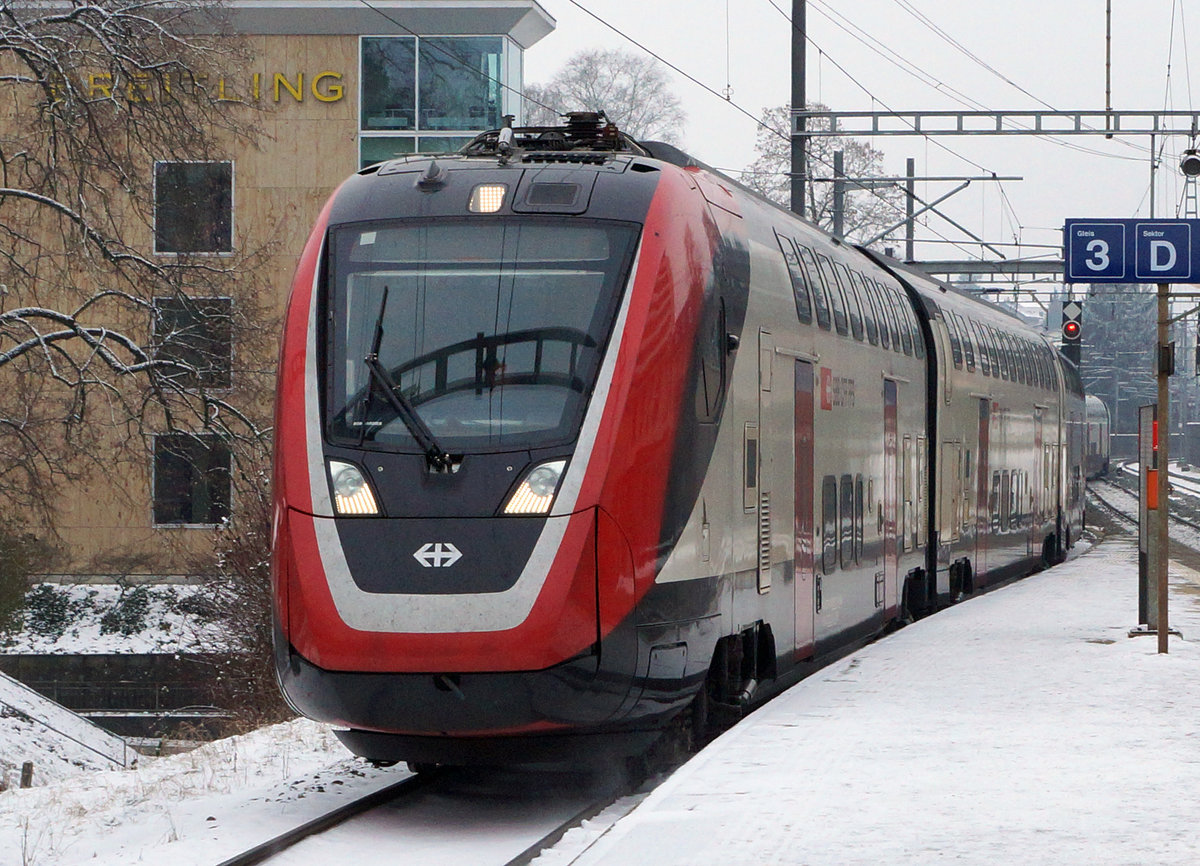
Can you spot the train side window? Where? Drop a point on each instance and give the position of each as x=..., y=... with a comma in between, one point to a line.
x=907, y=323
x=1010, y=368
x=1014, y=347
x=853, y=308
x=1014, y=353
x=799, y=287
x=968, y=346
x=889, y=309
x=836, y=294
x=1011, y=348
x=710, y=389
x=829, y=524
x=1005, y=365
x=846, y=522
x=1005, y=500
x=997, y=353
x=952, y=331
x=859, y=510
x=880, y=311
x=984, y=360
x=817, y=281
x=1039, y=361
x=918, y=340
x=868, y=307
x=994, y=503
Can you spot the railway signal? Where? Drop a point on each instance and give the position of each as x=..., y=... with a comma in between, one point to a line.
x=1072, y=330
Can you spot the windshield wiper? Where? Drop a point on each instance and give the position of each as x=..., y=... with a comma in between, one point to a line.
x=434, y=453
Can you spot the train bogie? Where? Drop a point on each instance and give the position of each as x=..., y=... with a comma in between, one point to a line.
x=573, y=437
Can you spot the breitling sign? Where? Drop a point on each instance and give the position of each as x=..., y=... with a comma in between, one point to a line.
x=324, y=86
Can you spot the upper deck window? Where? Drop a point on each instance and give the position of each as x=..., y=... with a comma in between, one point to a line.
x=799, y=287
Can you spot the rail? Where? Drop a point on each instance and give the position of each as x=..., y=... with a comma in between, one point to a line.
x=268, y=849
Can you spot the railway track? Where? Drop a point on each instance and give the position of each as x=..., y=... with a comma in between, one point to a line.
x=1103, y=493
x=490, y=818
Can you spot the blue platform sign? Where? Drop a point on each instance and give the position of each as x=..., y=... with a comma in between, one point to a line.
x=1131, y=251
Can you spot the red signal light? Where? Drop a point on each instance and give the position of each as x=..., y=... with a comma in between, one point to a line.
x=1070, y=330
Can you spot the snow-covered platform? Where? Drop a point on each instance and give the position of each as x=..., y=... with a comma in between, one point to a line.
x=1023, y=726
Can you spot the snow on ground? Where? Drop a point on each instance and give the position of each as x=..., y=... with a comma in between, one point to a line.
x=200, y=807
x=1022, y=726
x=54, y=758
x=109, y=618
x=55, y=740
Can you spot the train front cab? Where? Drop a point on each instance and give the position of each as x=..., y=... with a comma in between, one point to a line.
x=418, y=664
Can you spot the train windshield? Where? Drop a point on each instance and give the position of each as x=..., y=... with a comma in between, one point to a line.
x=491, y=331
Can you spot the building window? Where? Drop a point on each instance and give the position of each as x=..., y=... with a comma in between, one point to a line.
x=448, y=87
x=389, y=83
x=460, y=83
x=193, y=207
x=196, y=333
x=191, y=479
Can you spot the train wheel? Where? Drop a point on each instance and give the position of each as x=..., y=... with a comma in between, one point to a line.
x=968, y=575
x=1052, y=553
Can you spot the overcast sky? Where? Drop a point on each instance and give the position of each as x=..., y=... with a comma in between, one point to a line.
x=1052, y=52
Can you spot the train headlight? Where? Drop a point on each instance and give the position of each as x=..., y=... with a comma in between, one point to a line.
x=536, y=492
x=351, y=493
x=487, y=197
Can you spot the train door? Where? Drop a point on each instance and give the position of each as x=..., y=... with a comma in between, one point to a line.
x=803, y=518
x=891, y=495
x=907, y=520
x=1035, y=484
x=982, y=487
x=949, y=501
x=766, y=351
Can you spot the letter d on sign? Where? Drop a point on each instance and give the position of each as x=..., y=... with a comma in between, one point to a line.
x=1162, y=255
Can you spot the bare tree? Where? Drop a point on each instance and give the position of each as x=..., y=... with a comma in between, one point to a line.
x=631, y=89
x=866, y=212
x=98, y=93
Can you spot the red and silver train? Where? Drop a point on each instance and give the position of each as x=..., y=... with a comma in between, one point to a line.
x=574, y=435
x=1098, y=427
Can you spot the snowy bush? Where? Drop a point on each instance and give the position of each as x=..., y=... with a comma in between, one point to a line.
x=49, y=611
x=128, y=615
x=21, y=554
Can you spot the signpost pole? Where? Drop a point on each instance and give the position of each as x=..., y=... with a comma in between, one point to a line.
x=1163, y=252
x=1164, y=439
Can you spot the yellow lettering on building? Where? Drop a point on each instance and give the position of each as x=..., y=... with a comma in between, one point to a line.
x=331, y=92
x=297, y=91
x=138, y=89
x=100, y=84
x=325, y=86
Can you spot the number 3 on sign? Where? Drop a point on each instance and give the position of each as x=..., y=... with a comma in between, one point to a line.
x=1098, y=250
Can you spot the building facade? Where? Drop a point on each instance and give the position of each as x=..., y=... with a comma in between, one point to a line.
x=334, y=86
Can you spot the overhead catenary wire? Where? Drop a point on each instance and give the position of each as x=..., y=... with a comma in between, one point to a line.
x=758, y=122
x=483, y=75
x=889, y=54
